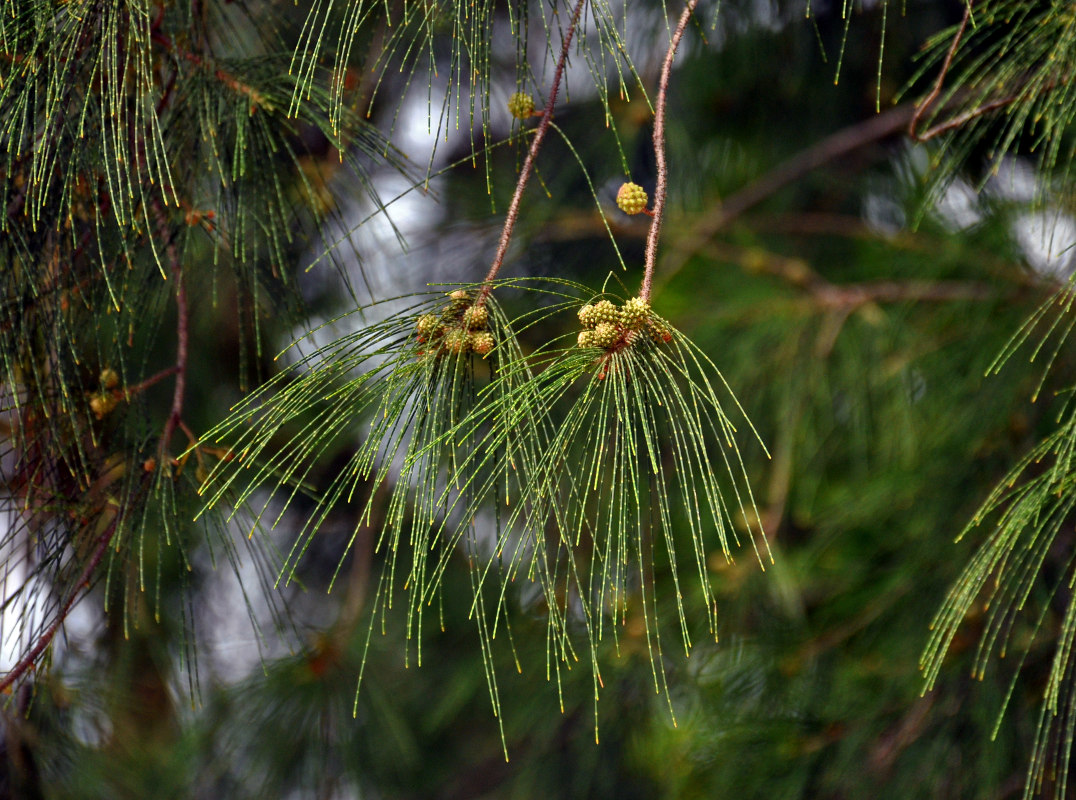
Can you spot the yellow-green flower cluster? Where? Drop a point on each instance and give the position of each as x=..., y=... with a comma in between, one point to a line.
x=461, y=327
x=521, y=105
x=606, y=326
x=631, y=198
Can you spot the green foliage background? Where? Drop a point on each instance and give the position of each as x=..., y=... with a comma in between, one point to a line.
x=856, y=317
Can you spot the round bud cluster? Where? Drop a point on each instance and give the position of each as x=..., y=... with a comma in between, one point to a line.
x=427, y=327
x=110, y=379
x=457, y=341
x=606, y=326
x=459, y=301
x=604, y=311
x=521, y=105
x=631, y=198
x=601, y=323
x=475, y=318
x=460, y=328
x=102, y=404
x=586, y=317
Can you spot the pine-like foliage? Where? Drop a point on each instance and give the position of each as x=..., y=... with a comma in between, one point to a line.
x=1001, y=90
x=504, y=478
x=1029, y=510
x=1001, y=85
x=151, y=171
x=396, y=386
x=594, y=492
x=604, y=439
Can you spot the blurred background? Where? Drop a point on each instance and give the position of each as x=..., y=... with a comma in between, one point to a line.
x=852, y=299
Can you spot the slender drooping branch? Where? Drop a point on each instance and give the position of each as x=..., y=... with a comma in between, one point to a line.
x=528, y=163
x=829, y=296
x=28, y=661
x=659, y=152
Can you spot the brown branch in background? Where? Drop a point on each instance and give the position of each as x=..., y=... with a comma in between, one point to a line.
x=858, y=294
x=257, y=100
x=659, y=152
x=829, y=149
x=17, y=201
x=368, y=77
x=359, y=579
x=850, y=296
x=841, y=143
x=528, y=164
x=902, y=734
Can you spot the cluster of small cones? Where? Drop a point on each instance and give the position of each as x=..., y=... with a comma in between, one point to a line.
x=460, y=328
x=609, y=327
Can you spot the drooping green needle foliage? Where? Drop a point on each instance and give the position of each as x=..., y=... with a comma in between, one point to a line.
x=409, y=38
x=622, y=454
x=385, y=394
x=1033, y=508
x=168, y=162
x=1004, y=87
x=563, y=470
x=1031, y=512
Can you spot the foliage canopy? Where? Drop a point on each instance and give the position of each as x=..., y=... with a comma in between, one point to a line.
x=235, y=333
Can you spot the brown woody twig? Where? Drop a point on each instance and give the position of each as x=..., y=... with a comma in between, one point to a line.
x=925, y=104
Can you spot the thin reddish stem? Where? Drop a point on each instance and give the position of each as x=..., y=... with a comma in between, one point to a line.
x=659, y=152
x=130, y=391
x=967, y=116
x=175, y=413
x=928, y=101
x=27, y=662
x=528, y=164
